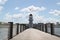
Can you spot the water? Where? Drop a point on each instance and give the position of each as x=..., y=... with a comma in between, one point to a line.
x=56, y=31
x=4, y=32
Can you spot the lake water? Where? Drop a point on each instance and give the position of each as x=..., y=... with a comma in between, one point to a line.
x=4, y=32
x=56, y=31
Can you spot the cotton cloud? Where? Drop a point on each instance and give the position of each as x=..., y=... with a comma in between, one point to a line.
x=9, y=17
x=24, y=17
x=58, y=3
x=17, y=8
x=3, y=1
x=55, y=12
x=33, y=8
x=36, y=17
x=17, y=16
x=1, y=7
x=52, y=20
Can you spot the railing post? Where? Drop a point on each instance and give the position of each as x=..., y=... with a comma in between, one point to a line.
x=17, y=32
x=20, y=27
x=46, y=28
x=52, y=29
x=39, y=26
x=24, y=27
x=10, y=32
x=42, y=27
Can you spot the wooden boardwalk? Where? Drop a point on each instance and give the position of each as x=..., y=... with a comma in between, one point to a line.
x=34, y=34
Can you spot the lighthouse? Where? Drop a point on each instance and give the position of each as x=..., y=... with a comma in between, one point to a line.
x=30, y=21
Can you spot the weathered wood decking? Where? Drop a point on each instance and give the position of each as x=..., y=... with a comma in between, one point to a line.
x=34, y=34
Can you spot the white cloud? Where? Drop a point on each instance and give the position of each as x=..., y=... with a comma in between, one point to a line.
x=55, y=12
x=24, y=18
x=53, y=20
x=3, y=1
x=17, y=16
x=58, y=3
x=17, y=8
x=1, y=7
x=33, y=8
x=38, y=19
x=9, y=17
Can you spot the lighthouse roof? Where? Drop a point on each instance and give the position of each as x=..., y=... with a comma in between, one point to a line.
x=30, y=15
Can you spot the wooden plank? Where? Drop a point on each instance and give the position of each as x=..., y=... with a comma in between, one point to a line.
x=34, y=34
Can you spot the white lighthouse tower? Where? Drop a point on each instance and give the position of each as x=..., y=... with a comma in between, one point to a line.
x=30, y=21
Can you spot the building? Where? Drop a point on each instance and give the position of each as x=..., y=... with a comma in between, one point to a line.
x=30, y=21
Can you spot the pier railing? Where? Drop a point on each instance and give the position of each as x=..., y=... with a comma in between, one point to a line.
x=15, y=29
x=19, y=28
x=48, y=28
x=9, y=30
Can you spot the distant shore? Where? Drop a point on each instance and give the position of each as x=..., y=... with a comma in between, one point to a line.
x=14, y=25
x=6, y=25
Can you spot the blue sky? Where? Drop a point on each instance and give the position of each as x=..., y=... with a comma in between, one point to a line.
x=18, y=10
